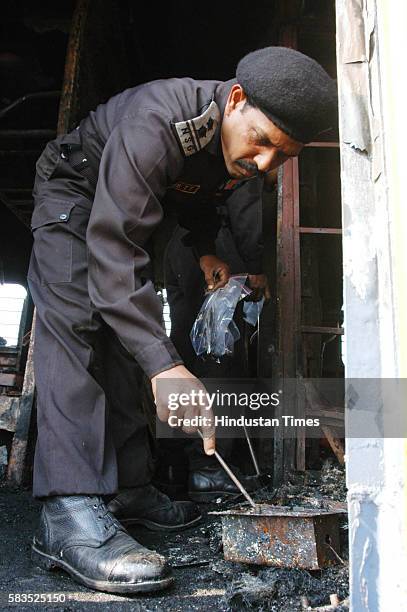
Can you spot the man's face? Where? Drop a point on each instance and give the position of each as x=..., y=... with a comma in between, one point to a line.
x=251, y=143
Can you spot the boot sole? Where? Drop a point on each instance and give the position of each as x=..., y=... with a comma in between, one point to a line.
x=50, y=563
x=158, y=526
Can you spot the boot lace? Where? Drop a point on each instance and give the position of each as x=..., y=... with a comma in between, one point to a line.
x=103, y=513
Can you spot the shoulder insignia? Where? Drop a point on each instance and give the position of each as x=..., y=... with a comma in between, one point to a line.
x=194, y=134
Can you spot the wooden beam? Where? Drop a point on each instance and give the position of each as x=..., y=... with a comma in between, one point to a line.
x=16, y=467
x=335, y=443
x=323, y=145
x=267, y=358
x=315, y=329
x=288, y=287
x=69, y=94
x=7, y=361
x=315, y=401
x=8, y=412
x=10, y=380
x=319, y=410
x=320, y=230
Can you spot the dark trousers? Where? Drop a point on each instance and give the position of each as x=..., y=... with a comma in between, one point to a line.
x=92, y=434
x=185, y=285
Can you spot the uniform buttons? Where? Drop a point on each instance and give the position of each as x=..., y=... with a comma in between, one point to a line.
x=63, y=217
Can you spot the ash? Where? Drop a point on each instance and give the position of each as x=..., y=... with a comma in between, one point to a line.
x=203, y=579
x=280, y=590
x=311, y=489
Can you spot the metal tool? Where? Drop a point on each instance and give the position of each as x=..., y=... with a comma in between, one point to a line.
x=251, y=449
x=232, y=476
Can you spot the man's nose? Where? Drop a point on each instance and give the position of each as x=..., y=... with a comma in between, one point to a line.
x=267, y=160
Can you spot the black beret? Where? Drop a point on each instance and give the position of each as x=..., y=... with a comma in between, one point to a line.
x=292, y=89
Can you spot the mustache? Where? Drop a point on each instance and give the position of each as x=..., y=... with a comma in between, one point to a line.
x=250, y=167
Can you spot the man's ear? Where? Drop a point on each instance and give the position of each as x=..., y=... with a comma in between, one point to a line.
x=235, y=97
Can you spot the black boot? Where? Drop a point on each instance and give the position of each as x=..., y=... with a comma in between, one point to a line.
x=149, y=507
x=208, y=483
x=78, y=534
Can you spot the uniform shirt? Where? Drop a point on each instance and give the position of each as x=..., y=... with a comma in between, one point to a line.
x=151, y=144
x=244, y=229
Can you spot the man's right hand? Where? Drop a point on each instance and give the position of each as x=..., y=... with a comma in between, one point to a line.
x=176, y=381
x=216, y=271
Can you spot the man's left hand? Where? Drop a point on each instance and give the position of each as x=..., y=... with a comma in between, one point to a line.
x=216, y=271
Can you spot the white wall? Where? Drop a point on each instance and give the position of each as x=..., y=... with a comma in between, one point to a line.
x=371, y=47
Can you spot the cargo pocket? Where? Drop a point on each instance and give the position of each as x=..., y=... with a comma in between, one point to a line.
x=53, y=241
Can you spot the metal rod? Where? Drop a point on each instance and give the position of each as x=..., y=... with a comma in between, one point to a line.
x=31, y=96
x=251, y=449
x=335, y=553
x=231, y=475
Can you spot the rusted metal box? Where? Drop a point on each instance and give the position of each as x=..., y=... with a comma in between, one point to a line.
x=305, y=538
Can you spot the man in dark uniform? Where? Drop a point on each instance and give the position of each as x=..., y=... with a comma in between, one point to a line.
x=239, y=243
x=98, y=195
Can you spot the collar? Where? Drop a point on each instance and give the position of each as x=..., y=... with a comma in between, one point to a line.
x=220, y=96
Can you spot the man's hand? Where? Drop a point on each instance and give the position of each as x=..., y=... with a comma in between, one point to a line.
x=179, y=381
x=260, y=286
x=216, y=271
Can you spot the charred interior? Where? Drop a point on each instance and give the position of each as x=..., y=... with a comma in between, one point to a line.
x=304, y=537
x=57, y=62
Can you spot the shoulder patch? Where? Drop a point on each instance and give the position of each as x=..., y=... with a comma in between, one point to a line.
x=194, y=134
